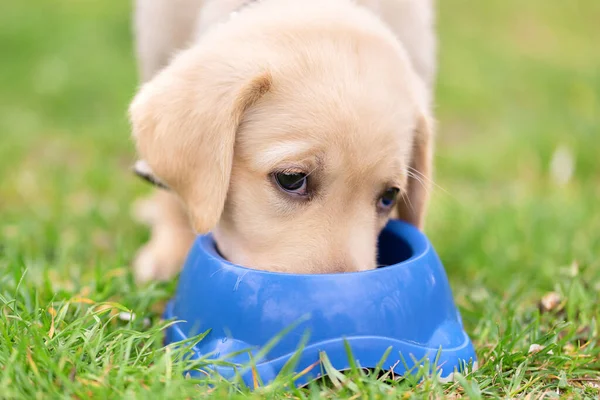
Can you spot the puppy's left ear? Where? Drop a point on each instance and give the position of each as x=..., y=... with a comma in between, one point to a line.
x=413, y=207
x=185, y=122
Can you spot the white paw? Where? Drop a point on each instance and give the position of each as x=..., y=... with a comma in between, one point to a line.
x=152, y=264
x=145, y=210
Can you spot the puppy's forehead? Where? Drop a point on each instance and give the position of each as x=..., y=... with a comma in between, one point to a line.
x=346, y=151
x=351, y=98
x=346, y=123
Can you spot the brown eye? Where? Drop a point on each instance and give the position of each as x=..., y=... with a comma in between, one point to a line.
x=294, y=183
x=388, y=199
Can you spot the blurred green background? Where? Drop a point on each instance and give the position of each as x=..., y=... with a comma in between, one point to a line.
x=517, y=81
x=518, y=199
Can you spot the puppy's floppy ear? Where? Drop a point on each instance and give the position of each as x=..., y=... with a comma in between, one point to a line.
x=413, y=207
x=184, y=124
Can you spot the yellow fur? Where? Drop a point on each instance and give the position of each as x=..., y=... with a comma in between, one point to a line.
x=322, y=86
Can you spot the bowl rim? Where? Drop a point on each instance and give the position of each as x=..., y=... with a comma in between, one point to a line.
x=412, y=236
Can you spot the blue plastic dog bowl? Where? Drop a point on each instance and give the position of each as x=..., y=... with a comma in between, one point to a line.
x=406, y=306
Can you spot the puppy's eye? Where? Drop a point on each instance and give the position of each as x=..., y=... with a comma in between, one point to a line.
x=294, y=183
x=388, y=199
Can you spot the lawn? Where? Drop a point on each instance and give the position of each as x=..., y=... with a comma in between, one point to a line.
x=515, y=214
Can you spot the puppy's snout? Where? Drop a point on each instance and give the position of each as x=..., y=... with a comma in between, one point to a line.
x=362, y=248
x=342, y=266
x=351, y=264
x=354, y=253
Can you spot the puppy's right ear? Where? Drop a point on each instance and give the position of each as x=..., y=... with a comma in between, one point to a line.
x=184, y=124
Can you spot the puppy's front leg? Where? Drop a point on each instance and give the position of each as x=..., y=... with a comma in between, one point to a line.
x=170, y=240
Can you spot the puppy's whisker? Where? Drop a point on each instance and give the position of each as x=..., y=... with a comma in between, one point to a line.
x=428, y=179
x=313, y=170
x=416, y=177
x=419, y=173
x=307, y=175
x=407, y=201
x=426, y=187
x=413, y=173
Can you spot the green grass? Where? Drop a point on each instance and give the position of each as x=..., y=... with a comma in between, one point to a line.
x=517, y=81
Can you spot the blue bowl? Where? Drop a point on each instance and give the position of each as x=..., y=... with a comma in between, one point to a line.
x=406, y=306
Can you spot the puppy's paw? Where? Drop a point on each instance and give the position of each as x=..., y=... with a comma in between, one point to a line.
x=156, y=263
x=170, y=240
x=145, y=210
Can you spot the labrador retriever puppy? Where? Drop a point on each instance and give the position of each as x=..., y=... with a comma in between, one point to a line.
x=291, y=129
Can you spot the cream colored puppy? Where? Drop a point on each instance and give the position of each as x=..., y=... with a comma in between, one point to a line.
x=291, y=129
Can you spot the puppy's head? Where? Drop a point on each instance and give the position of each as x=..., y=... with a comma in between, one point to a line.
x=294, y=150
